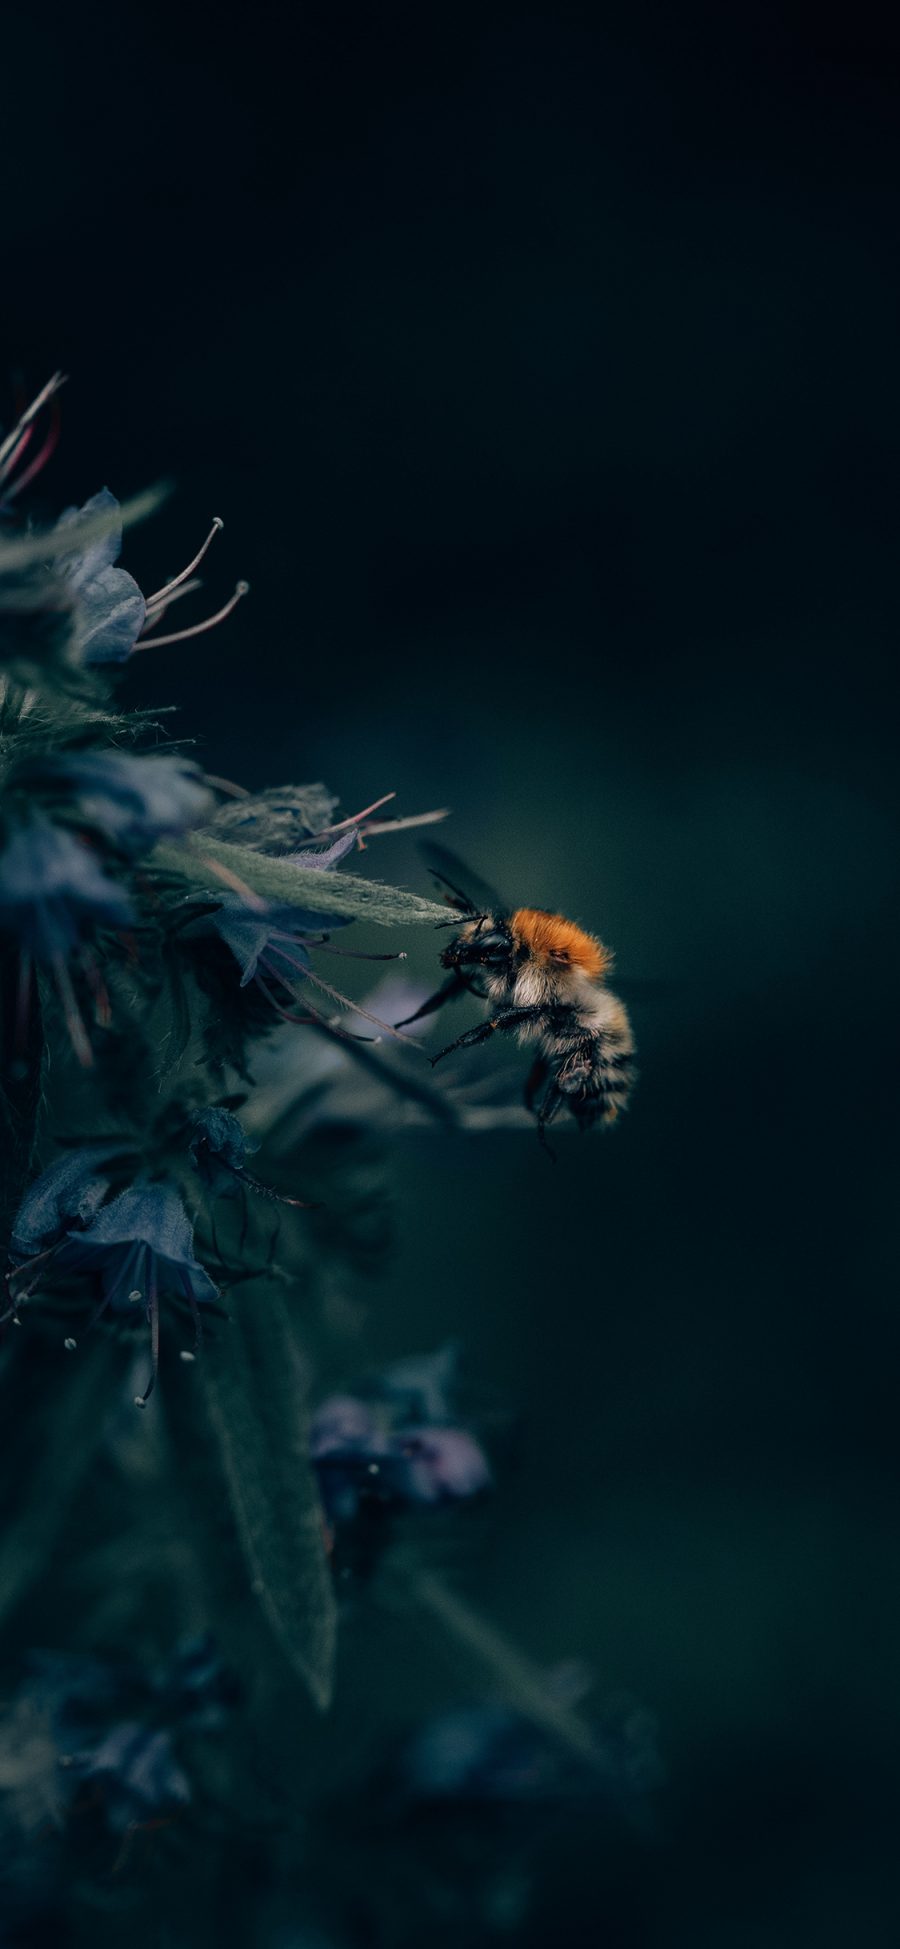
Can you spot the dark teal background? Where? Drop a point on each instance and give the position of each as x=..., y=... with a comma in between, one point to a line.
x=545, y=371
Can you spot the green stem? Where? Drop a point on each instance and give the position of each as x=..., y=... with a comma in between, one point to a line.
x=522, y=1682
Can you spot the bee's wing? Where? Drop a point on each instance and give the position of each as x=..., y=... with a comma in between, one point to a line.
x=462, y=888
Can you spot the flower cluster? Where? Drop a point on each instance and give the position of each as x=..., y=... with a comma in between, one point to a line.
x=81, y=1733
x=397, y=1443
x=133, y=1248
x=489, y=1752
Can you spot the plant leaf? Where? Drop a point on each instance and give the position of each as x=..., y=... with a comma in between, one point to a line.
x=287, y=884
x=255, y=1390
x=65, y=1438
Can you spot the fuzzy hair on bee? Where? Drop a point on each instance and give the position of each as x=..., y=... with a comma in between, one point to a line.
x=545, y=979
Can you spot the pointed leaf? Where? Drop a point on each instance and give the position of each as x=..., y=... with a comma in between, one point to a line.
x=255, y=1390
x=288, y=884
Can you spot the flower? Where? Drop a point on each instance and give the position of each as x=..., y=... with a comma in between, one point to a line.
x=78, y=1719
x=432, y=1465
x=110, y=611
x=67, y=1196
x=490, y=1752
x=130, y=800
x=218, y=1148
x=368, y=1450
x=53, y=890
x=276, y=820
x=111, y=614
x=135, y=1772
x=139, y=1246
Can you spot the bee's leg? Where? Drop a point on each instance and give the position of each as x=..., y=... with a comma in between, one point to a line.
x=448, y=993
x=507, y=1018
x=546, y=1114
x=537, y=1077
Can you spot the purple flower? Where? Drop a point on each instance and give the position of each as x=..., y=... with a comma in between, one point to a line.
x=131, y=800
x=113, y=1726
x=432, y=1465
x=363, y=1451
x=136, y=1773
x=139, y=1247
x=491, y=1752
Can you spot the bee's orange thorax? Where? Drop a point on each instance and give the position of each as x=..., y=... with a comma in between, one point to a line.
x=552, y=939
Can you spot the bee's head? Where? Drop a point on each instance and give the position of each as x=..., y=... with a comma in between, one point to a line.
x=485, y=943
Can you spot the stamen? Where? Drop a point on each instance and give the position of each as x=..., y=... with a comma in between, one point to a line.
x=227, y=786
x=344, y=1035
x=163, y=594
x=39, y=460
x=14, y=438
x=355, y=1009
x=25, y=1280
x=342, y=824
x=186, y=590
x=140, y=1400
x=199, y=629
x=198, y=1327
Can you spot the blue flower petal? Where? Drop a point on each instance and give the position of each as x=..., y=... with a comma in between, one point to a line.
x=85, y=560
x=148, y=1217
x=132, y=799
x=70, y=1192
x=53, y=889
x=109, y=617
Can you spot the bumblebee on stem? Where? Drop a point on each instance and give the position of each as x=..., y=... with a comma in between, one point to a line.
x=546, y=981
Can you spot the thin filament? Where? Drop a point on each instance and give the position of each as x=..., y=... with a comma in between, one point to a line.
x=199, y=629
x=141, y=1400
x=155, y=619
x=342, y=824
x=344, y=1035
x=39, y=460
x=13, y=439
x=356, y=1009
x=164, y=594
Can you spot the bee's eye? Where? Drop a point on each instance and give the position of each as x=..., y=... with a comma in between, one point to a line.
x=492, y=947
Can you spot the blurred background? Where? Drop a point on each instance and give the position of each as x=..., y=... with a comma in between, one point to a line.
x=543, y=367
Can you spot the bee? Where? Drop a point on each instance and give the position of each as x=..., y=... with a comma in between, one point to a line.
x=545, y=980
